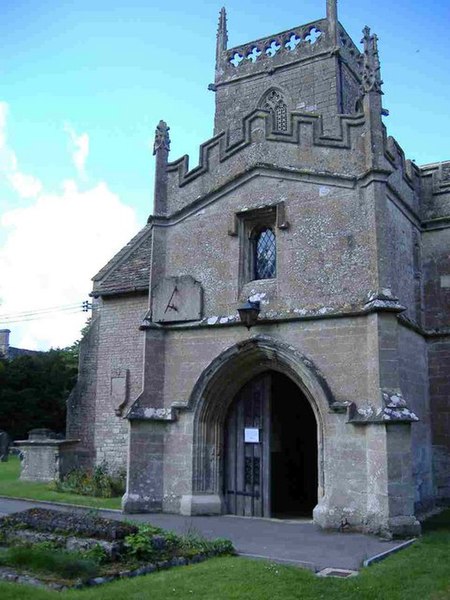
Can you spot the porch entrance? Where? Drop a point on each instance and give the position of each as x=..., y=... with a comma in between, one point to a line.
x=270, y=450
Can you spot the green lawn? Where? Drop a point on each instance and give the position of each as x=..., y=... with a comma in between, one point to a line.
x=11, y=486
x=422, y=572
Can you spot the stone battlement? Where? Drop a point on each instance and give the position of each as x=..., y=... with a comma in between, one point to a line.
x=349, y=51
x=306, y=146
x=436, y=187
x=274, y=51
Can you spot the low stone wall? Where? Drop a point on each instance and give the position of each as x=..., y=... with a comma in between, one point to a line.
x=14, y=537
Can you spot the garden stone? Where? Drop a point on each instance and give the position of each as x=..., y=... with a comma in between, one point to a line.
x=99, y=580
x=150, y=568
x=27, y=580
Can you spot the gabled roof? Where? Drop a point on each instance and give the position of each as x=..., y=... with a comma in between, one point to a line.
x=129, y=270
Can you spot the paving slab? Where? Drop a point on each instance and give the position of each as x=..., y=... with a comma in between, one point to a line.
x=293, y=542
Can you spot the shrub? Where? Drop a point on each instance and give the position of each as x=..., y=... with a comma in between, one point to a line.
x=152, y=544
x=96, y=554
x=97, y=482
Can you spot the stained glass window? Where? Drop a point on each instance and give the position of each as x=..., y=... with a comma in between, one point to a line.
x=265, y=254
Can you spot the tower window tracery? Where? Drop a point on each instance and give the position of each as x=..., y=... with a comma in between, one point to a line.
x=275, y=103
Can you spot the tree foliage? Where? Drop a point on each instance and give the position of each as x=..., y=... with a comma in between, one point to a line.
x=34, y=389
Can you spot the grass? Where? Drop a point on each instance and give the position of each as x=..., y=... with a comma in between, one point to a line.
x=39, y=560
x=10, y=486
x=420, y=572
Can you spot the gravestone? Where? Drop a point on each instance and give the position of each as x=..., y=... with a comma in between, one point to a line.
x=46, y=457
x=5, y=442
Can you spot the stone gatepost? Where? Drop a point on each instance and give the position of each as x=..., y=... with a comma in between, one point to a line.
x=44, y=457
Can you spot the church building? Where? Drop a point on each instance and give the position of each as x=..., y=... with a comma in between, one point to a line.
x=275, y=342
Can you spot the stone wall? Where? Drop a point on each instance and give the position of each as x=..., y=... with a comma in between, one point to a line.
x=342, y=350
x=400, y=258
x=81, y=402
x=310, y=87
x=322, y=258
x=439, y=360
x=415, y=388
x=436, y=273
x=120, y=357
x=436, y=276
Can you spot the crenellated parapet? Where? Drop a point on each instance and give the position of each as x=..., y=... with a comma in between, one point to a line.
x=304, y=146
x=440, y=176
x=436, y=190
x=349, y=52
x=405, y=176
x=269, y=53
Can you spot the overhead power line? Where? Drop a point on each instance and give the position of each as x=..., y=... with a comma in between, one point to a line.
x=34, y=311
x=45, y=313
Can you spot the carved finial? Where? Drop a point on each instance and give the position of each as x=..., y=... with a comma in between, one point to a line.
x=162, y=138
x=366, y=36
x=222, y=29
x=222, y=34
x=371, y=77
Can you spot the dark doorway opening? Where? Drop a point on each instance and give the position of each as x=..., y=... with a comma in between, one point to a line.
x=293, y=446
x=270, y=450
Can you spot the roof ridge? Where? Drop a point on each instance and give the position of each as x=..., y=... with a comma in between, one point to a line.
x=122, y=254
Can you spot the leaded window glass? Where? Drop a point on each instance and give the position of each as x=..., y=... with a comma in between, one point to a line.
x=265, y=254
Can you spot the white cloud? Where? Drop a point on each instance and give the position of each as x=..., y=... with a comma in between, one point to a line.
x=80, y=152
x=25, y=185
x=52, y=249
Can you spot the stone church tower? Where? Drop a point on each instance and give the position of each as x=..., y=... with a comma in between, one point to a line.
x=333, y=400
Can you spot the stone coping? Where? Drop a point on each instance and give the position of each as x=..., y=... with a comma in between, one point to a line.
x=48, y=442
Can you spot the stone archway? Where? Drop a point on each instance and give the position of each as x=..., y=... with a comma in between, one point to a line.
x=215, y=390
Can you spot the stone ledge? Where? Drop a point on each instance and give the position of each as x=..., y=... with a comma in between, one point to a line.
x=46, y=442
x=394, y=409
x=152, y=414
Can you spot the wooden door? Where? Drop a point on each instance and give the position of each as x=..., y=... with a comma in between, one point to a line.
x=247, y=450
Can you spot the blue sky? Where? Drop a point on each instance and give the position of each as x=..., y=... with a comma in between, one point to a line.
x=83, y=84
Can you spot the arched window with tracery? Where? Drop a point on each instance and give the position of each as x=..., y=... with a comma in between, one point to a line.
x=264, y=253
x=274, y=101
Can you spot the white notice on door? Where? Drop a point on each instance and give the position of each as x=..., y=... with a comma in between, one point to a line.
x=251, y=435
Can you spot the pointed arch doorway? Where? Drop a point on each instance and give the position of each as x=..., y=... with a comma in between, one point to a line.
x=271, y=450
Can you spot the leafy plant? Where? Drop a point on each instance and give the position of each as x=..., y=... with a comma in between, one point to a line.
x=97, y=554
x=98, y=482
x=151, y=543
x=140, y=545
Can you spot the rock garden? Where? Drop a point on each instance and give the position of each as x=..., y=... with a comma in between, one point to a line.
x=63, y=550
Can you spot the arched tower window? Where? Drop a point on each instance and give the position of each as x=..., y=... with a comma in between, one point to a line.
x=273, y=100
x=264, y=254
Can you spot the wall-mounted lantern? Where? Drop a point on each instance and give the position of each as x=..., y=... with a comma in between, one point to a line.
x=248, y=313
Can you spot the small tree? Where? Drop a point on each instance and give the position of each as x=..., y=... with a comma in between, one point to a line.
x=34, y=389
